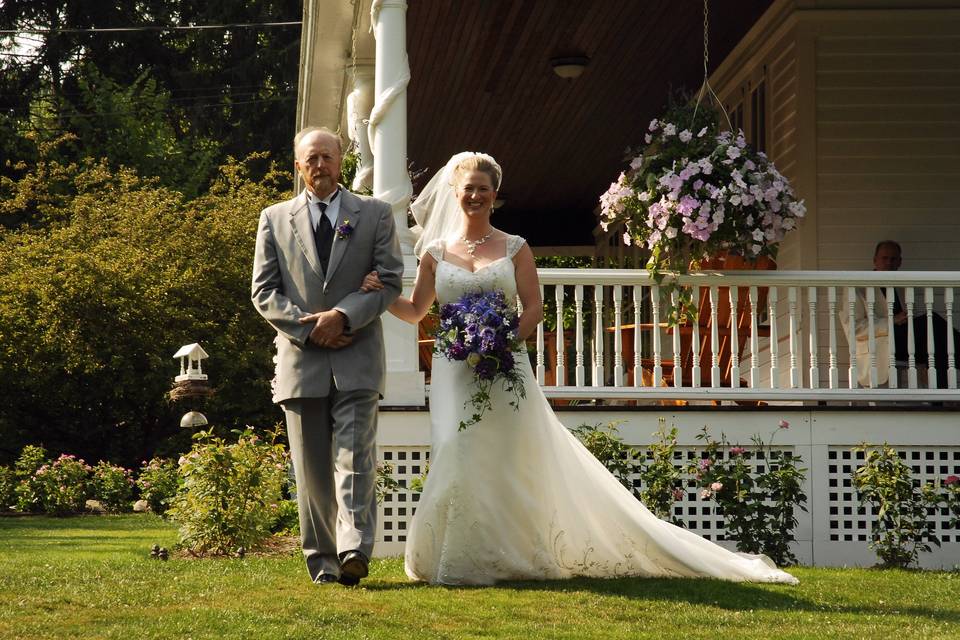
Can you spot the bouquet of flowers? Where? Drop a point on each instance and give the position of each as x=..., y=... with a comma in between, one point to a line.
x=481, y=329
x=693, y=192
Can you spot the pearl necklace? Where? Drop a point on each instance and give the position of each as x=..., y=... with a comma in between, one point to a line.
x=473, y=244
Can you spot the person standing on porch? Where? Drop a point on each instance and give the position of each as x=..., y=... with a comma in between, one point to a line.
x=312, y=253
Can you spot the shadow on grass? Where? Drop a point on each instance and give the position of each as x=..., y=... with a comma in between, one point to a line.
x=732, y=596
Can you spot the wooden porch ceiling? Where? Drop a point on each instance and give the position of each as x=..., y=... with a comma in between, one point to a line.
x=482, y=81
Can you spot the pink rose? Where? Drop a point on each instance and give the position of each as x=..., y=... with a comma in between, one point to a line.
x=678, y=494
x=716, y=486
x=705, y=494
x=951, y=480
x=783, y=424
x=737, y=451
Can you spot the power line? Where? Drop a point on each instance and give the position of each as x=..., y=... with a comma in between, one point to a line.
x=191, y=27
x=209, y=105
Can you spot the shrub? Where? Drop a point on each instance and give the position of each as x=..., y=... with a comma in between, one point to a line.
x=286, y=521
x=158, y=482
x=604, y=442
x=112, y=486
x=8, y=486
x=29, y=491
x=64, y=485
x=952, y=499
x=758, y=505
x=900, y=530
x=386, y=483
x=660, y=479
x=230, y=492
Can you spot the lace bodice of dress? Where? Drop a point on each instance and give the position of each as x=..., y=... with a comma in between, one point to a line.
x=452, y=281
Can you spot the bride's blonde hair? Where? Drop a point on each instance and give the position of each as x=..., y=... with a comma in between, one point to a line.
x=482, y=163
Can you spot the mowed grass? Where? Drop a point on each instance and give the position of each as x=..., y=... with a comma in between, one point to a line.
x=91, y=577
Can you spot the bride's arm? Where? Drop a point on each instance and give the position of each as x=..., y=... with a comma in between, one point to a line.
x=528, y=288
x=414, y=308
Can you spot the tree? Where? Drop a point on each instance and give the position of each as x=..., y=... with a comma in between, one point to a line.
x=94, y=302
x=233, y=85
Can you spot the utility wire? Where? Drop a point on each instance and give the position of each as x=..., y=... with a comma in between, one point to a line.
x=191, y=27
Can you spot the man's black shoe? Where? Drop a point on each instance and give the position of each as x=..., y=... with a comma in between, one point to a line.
x=353, y=567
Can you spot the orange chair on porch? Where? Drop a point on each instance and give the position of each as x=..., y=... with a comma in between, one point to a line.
x=724, y=320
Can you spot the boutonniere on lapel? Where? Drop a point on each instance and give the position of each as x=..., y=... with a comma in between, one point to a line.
x=344, y=230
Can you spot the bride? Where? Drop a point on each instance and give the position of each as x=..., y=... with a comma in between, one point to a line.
x=517, y=496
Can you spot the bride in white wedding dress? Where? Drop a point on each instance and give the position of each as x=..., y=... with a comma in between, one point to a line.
x=517, y=496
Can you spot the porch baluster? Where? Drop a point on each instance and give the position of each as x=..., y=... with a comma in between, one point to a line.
x=794, y=338
x=871, y=337
x=714, y=339
x=852, y=338
x=931, y=356
x=578, y=308
x=734, y=340
x=911, y=356
x=561, y=345
x=657, y=356
x=814, y=356
x=951, y=356
x=677, y=364
x=617, y=338
x=833, y=370
x=541, y=370
x=597, y=375
x=892, y=376
x=637, y=366
x=695, y=345
x=754, y=341
x=774, y=340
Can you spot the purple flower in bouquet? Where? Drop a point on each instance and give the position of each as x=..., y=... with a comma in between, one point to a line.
x=481, y=329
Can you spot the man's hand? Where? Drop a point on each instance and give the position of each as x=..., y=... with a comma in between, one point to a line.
x=900, y=318
x=328, y=331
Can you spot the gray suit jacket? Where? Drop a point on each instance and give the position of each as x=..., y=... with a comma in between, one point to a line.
x=288, y=283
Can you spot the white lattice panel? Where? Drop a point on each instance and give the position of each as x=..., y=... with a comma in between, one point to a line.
x=851, y=522
x=398, y=508
x=834, y=531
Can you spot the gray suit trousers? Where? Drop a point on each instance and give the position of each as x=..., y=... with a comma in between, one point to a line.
x=333, y=448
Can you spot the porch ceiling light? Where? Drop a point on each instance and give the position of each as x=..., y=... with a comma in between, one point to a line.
x=569, y=67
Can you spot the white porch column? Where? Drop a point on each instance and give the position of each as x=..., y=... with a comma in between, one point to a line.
x=391, y=183
x=359, y=105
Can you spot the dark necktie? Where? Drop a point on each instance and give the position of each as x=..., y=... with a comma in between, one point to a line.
x=323, y=237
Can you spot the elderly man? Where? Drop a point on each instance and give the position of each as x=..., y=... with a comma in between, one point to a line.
x=312, y=253
x=888, y=256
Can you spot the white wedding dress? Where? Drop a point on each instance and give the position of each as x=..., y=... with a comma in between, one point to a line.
x=518, y=497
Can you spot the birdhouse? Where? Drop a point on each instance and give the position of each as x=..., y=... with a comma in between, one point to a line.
x=190, y=368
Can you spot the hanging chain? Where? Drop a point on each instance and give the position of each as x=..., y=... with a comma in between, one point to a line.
x=705, y=87
x=706, y=44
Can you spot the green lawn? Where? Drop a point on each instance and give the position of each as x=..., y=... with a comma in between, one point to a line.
x=91, y=577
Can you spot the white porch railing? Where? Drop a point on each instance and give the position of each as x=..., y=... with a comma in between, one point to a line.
x=760, y=335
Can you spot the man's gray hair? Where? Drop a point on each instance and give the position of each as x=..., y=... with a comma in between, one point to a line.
x=303, y=133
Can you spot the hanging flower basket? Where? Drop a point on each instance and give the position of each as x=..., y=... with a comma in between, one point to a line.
x=692, y=192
